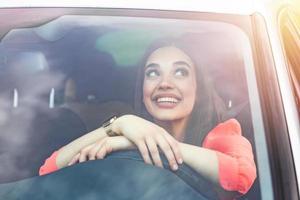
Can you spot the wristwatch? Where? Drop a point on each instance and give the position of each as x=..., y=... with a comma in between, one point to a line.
x=107, y=126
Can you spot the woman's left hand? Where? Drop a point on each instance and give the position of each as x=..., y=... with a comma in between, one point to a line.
x=101, y=148
x=148, y=136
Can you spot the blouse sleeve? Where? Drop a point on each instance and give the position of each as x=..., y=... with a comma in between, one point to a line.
x=49, y=165
x=237, y=170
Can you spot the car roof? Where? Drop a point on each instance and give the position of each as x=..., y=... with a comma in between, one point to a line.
x=229, y=6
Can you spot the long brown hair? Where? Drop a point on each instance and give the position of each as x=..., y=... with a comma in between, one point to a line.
x=208, y=109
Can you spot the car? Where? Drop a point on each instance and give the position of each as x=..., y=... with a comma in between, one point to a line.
x=66, y=67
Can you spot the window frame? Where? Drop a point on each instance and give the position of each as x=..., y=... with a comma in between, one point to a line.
x=269, y=91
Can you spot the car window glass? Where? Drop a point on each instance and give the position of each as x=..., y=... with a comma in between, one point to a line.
x=65, y=77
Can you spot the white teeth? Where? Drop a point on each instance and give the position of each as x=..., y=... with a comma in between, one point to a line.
x=167, y=99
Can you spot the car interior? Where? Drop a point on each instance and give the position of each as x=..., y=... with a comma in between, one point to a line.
x=65, y=77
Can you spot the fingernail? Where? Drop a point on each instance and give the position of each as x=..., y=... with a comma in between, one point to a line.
x=175, y=167
x=180, y=161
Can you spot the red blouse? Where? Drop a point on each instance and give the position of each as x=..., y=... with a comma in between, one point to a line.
x=237, y=170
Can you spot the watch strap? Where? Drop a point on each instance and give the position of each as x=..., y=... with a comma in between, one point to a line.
x=107, y=126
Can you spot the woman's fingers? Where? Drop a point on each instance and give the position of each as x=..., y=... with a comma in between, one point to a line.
x=84, y=153
x=152, y=147
x=144, y=151
x=165, y=147
x=92, y=154
x=175, y=147
x=103, y=151
x=74, y=159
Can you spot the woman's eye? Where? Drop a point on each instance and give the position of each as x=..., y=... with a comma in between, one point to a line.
x=152, y=73
x=181, y=72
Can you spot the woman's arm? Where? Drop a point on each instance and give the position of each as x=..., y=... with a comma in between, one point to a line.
x=226, y=158
x=206, y=162
x=101, y=148
x=144, y=134
x=66, y=153
x=202, y=160
x=147, y=137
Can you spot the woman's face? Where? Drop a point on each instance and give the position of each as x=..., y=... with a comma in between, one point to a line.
x=169, y=90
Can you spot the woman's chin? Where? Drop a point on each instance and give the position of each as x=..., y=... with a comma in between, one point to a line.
x=166, y=116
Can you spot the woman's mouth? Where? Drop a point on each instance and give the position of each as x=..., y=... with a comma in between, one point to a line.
x=166, y=102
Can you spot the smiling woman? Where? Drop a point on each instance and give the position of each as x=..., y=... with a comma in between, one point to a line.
x=169, y=95
x=170, y=88
x=173, y=68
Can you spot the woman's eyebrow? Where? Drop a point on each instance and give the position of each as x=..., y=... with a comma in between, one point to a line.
x=153, y=65
x=182, y=63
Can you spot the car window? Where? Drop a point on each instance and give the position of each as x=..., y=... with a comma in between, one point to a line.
x=65, y=76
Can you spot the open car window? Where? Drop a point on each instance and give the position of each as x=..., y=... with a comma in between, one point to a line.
x=63, y=77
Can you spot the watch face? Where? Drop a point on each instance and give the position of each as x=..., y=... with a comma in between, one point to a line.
x=112, y=119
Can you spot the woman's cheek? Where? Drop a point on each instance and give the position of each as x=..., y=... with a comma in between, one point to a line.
x=148, y=89
x=189, y=92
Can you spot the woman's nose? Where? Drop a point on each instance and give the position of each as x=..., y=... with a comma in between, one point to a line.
x=166, y=83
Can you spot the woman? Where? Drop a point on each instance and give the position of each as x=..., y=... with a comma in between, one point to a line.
x=177, y=106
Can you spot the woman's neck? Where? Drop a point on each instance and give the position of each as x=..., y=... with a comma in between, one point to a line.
x=175, y=127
